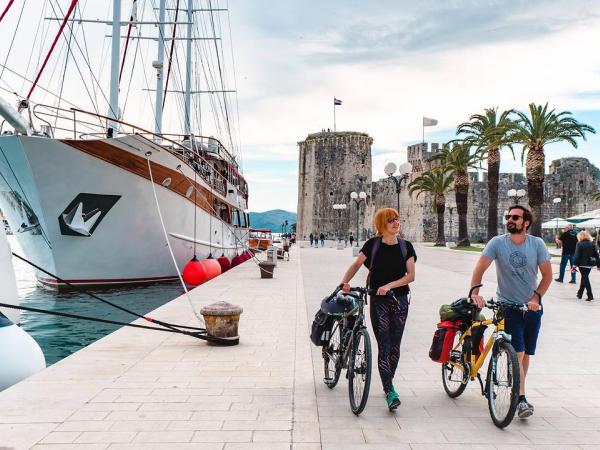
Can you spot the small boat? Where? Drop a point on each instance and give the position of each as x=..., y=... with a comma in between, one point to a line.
x=260, y=239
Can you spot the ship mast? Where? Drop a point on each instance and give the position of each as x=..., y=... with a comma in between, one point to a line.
x=188, y=71
x=158, y=65
x=113, y=110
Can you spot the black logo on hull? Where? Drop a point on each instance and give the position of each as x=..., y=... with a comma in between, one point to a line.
x=84, y=214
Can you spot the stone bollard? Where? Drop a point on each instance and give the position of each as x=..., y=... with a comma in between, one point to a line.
x=266, y=269
x=222, y=321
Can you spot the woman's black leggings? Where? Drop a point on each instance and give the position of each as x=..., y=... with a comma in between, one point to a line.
x=585, y=282
x=388, y=318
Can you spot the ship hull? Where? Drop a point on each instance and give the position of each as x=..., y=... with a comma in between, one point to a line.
x=86, y=213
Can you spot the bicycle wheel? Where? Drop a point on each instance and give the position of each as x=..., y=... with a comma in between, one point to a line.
x=331, y=358
x=359, y=371
x=455, y=375
x=502, y=384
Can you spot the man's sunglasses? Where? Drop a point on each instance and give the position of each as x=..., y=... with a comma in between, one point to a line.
x=395, y=219
x=514, y=217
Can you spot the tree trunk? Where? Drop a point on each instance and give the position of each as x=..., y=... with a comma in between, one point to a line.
x=493, y=161
x=461, y=186
x=534, y=170
x=440, y=207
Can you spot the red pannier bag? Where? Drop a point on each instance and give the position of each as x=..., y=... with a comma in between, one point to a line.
x=443, y=339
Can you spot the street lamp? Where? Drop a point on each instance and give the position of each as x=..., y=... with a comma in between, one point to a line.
x=404, y=170
x=339, y=207
x=517, y=194
x=451, y=207
x=358, y=198
x=556, y=201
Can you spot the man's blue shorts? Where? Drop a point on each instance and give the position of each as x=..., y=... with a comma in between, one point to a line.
x=523, y=328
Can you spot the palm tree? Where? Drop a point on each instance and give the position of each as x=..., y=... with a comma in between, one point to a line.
x=437, y=182
x=541, y=128
x=489, y=133
x=457, y=160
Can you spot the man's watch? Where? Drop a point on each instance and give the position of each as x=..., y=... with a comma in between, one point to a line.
x=538, y=294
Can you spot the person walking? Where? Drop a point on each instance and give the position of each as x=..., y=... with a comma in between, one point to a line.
x=568, y=240
x=391, y=262
x=518, y=257
x=351, y=239
x=312, y=238
x=322, y=237
x=586, y=256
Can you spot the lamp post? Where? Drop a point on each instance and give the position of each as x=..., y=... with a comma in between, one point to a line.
x=556, y=201
x=404, y=171
x=517, y=194
x=339, y=207
x=358, y=198
x=451, y=206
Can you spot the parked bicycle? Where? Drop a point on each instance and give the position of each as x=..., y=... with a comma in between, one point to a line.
x=349, y=345
x=467, y=357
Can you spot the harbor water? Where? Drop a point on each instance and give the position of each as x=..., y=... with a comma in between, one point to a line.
x=59, y=336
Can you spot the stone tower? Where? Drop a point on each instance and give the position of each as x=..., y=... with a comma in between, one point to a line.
x=330, y=166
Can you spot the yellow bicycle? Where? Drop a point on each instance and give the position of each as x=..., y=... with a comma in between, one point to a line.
x=503, y=374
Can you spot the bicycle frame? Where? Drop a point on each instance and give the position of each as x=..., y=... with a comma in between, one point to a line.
x=476, y=363
x=342, y=321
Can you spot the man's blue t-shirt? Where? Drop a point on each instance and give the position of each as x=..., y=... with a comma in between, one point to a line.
x=516, y=266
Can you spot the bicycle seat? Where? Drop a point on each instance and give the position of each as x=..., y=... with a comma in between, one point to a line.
x=340, y=304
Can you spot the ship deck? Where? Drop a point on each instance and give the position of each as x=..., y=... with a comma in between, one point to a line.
x=142, y=389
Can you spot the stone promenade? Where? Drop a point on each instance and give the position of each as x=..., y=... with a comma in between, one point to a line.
x=147, y=390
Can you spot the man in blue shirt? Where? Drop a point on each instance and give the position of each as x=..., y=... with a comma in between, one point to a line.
x=518, y=257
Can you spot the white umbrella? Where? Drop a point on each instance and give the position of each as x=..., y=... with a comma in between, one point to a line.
x=592, y=223
x=557, y=222
x=594, y=214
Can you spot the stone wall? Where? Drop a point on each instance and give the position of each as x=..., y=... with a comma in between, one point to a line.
x=331, y=166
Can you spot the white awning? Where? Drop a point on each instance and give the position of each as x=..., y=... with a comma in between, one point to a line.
x=557, y=222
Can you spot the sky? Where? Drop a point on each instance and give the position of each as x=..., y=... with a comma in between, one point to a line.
x=390, y=62
x=393, y=62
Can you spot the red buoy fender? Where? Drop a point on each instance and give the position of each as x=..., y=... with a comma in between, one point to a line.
x=224, y=263
x=213, y=268
x=194, y=273
x=237, y=260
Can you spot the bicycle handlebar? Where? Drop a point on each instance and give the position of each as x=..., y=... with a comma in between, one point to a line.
x=491, y=303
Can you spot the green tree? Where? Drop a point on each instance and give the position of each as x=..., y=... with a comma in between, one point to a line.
x=534, y=132
x=457, y=159
x=436, y=182
x=488, y=133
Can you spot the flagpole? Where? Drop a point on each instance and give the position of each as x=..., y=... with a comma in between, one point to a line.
x=423, y=131
x=334, y=114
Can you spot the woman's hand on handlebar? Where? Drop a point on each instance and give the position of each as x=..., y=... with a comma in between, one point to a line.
x=345, y=287
x=383, y=290
x=478, y=300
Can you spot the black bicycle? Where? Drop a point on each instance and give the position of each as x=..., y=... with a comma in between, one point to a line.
x=349, y=346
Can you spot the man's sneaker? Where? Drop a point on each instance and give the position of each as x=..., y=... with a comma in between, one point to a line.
x=572, y=282
x=558, y=279
x=524, y=409
x=393, y=400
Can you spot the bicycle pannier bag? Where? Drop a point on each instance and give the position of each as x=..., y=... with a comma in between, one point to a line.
x=443, y=338
x=321, y=328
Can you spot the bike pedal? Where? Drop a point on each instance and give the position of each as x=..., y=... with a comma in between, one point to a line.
x=327, y=380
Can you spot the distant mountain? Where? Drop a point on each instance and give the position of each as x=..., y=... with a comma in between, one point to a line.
x=272, y=219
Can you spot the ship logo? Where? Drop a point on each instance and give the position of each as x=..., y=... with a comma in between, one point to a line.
x=85, y=212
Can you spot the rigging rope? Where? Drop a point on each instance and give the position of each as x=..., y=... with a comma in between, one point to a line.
x=131, y=19
x=62, y=26
x=187, y=294
x=171, y=54
x=10, y=2
x=14, y=35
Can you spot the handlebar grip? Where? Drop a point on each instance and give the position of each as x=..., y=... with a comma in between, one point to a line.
x=472, y=289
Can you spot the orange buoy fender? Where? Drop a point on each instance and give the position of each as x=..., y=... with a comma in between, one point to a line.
x=194, y=272
x=237, y=260
x=224, y=263
x=213, y=268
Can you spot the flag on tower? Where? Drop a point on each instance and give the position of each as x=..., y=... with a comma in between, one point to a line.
x=336, y=102
x=427, y=122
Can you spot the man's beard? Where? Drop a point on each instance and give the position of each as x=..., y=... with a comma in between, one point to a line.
x=513, y=228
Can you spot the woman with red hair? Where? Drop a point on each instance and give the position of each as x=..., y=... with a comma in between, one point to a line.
x=391, y=263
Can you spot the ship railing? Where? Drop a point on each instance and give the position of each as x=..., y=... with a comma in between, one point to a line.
x=189, y=150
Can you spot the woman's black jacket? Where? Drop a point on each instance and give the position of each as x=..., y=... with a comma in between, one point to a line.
x=586, y=254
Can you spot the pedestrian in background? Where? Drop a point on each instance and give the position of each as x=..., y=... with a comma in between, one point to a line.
x=351, y=239
x=586, y=257
x=322, y=236
x=568, y=241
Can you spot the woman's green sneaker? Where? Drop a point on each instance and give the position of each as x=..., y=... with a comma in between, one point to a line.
x=393, y=400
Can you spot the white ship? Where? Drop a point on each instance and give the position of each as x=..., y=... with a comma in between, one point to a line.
x=75, y=186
